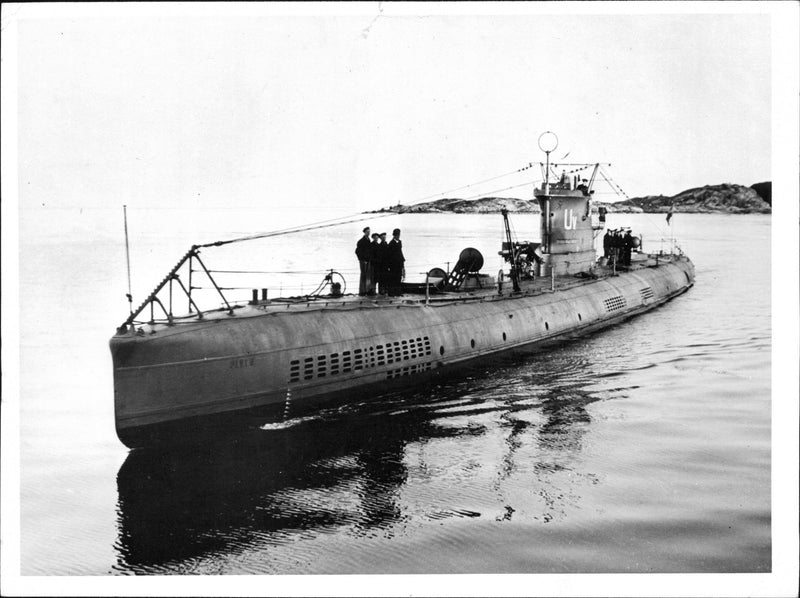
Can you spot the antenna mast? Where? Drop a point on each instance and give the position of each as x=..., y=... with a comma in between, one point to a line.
x=128, y=258
x=548, y=141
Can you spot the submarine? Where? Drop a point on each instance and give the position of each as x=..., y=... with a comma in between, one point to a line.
x=181, y=378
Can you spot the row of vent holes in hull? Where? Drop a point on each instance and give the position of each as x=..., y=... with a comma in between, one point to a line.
x=471, y=344
x=505, y=337
x=547, y=326
x=472, y=341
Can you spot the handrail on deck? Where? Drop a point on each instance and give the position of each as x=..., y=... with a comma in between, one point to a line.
x=152, y=298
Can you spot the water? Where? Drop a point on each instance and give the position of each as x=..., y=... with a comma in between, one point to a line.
x=644, y=448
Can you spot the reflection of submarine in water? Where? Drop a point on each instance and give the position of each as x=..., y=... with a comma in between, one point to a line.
x=263, y=489
x=182, y=504
x=216, y=369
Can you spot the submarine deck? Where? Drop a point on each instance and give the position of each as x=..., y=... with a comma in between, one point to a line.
x=535, y=286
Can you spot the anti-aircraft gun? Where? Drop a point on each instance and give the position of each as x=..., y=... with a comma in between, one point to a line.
x=524, y=257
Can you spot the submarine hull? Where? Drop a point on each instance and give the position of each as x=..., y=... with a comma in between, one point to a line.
x=268, y=362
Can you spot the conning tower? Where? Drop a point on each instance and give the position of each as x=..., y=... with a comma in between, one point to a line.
x=566, y=225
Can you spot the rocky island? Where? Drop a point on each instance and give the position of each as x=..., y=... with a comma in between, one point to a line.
x=711, y=199
x=726, y=198
x=484, y=205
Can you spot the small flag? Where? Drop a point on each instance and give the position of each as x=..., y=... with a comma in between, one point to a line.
x=669, y=214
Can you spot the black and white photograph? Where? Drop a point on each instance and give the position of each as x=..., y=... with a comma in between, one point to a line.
x=400, y=299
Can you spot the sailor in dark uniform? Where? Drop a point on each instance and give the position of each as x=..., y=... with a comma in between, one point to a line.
x=363, y=255
x=607, y=244
x=627, y=244
x=616, y=246
x=373, y=264
x=395, y=262
x=379, y=265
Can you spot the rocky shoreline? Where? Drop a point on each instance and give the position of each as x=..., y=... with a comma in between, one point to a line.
x=726, y=198
x=711, y=199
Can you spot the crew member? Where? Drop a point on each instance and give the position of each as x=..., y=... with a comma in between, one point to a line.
x=373, y=263
x=616, y=246
x=379, y=266
x=395, y=263
x=363, y=255
x=607, y=244
x=620, y=246
x=627, y=248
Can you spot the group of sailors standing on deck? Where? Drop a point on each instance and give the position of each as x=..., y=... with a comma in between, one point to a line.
x=382, y=264
x=618, y=245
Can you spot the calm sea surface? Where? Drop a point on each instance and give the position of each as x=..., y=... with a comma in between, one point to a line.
x=643, y=448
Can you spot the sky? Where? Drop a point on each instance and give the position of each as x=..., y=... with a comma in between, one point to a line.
x=370, y=105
